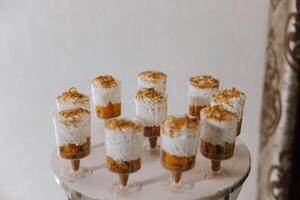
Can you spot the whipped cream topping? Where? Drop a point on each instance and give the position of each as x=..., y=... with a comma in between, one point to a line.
x=102, y=96
x=124, y=144
x=180, y=135
x=216, y=131
x=150, y=107
x=72, y=98
x=72, y=129
x=200, y=96
x=234, y=103
x=153, y=79
x=183, y=144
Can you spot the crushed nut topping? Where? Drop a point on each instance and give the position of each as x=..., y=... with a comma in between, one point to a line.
x=204, y=81
x=73, y=112
x=218, y=112
x=72, y=94
x=173, y=123
x=153, y=74
x=105, y=81
x=227, y=95
x=121, y=123
x=150, y=93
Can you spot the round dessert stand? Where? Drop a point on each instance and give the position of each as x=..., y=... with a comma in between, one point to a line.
x=152, y=174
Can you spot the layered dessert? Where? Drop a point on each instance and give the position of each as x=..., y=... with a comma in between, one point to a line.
x=73, y=134
x=233, y=100
x=218, y=132
x=106, y=92
x=153, y=79
x=123, y=142
x=72, y=98
x=179, y=140
x=201, y=89
x=151, y=109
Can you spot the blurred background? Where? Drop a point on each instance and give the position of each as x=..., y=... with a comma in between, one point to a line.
x=48, y=46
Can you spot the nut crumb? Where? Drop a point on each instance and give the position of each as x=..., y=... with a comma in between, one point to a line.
x=218, y=112
x=105, y=81
x=150, y=93
x=121, y=123
x=73, y=112
x=72, y=94
x=153, y=74
x=227, y=95
x=204, y=81
x=173, y=123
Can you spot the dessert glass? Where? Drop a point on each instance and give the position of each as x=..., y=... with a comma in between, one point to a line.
x=106, y=92
x=123, y=143
x=233, y=100
x=179, y=142
x=153, y=79
x=73, y=139
x=201, y=89
x=218, y=133
x=151, y=109
x=72, y=98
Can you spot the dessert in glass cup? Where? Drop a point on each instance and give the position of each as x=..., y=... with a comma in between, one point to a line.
x=233, y=100
x=151, y=109
x=73, y=138
x=179, y=144
x=123, y=143
x=153, y=79
x=106, y=92
x=72, y=97
x=218, y=133
x=201, y=89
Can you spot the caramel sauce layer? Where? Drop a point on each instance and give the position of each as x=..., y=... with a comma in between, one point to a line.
x=108, y=111
x=176, y=163
x=74, y=151
x=217, y=152
x=123, y=167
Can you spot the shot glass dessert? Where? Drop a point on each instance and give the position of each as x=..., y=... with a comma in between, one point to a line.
x=123, y=142
x=106, y=92
x=201, y=89
x=73, y=138
x=72, y=98
x=151, y=109
x=179, y=140
x=153, y=79
x=218, y=132
x=233, y=100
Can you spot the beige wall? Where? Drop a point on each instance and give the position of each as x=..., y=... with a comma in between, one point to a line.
x=46, y=46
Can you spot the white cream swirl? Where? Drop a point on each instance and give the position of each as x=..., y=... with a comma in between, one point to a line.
x=158, y=84
x=200, y=96
x=102, y=96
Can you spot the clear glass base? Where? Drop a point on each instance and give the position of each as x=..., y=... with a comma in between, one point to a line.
x=223, y=173
x=149, y=150
x=181, y=186
x=122, y=191
x=72, y=176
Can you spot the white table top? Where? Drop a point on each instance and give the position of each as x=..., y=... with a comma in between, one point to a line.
x=152, y=174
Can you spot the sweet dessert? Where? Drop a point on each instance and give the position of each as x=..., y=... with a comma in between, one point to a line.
x=218, y=132
x=233, y=100
x=106, y=92
x=73, y=134
x=151, y=109
x=153, y=79
x=72, y=97
x=123, y=142
x=179, y=140
x=201, y=89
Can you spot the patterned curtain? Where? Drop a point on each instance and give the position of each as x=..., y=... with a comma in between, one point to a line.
x=279, y=163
